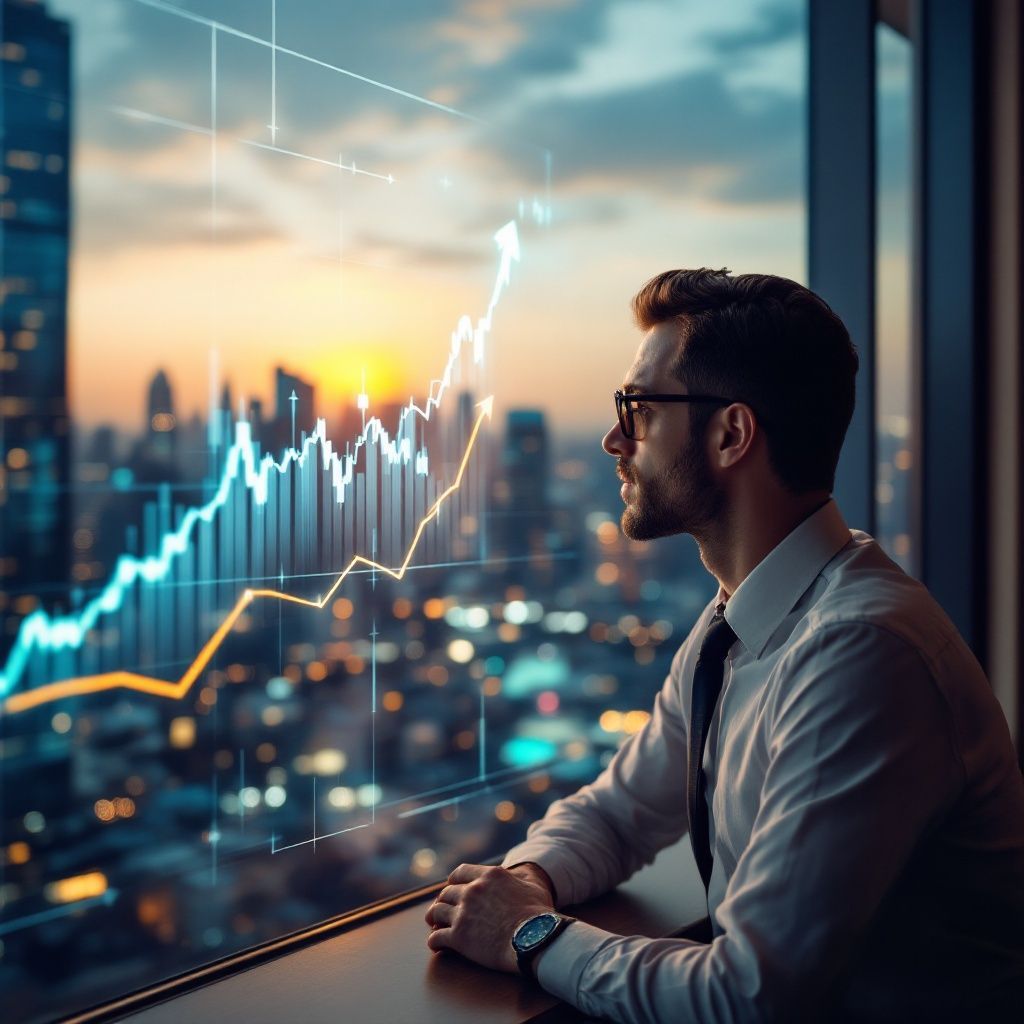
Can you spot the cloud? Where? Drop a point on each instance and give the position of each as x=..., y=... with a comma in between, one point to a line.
x=381, y=249
x=689, y=134
x=769, y=25
x=132, y=55
x=692, y=132
x=549, y=41
x=147, y=214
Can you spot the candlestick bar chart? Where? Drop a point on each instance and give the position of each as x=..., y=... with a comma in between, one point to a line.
x=367, y=505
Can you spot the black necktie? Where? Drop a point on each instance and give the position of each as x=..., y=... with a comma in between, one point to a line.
x=707, y=685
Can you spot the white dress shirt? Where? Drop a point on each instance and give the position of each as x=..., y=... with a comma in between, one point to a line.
x=867, y=814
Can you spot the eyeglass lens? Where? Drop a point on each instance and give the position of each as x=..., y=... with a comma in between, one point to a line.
x=630, y=419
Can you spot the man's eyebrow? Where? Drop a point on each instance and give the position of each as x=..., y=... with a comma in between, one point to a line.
x=634, y=389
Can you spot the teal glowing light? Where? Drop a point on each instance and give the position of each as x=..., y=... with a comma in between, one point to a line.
x=526, y=750
x=529, y=675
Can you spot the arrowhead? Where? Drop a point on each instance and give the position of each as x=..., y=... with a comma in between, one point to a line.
x=487, y=406
x=508, y=240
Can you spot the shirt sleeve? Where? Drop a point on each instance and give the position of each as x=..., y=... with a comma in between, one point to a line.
x=862, y=763
x=591, y=841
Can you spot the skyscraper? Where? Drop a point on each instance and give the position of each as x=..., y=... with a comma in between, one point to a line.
x=154, y=458
x=521, y=492
x=161, y=425
x=256, y=418
x=35, y=219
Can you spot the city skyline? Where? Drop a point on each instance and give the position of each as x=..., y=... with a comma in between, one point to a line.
x=372, y=284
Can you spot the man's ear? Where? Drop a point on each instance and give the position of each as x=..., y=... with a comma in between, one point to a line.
x=737, y=430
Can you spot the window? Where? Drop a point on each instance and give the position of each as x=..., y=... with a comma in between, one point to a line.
x=896, y=443
x=218, y=728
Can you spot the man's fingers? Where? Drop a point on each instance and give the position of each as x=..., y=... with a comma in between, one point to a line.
x=439, y=939
x=450, y=894
x=468, y=872
x=441, y=914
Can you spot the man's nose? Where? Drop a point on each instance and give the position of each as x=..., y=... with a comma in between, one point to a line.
x=615, y=442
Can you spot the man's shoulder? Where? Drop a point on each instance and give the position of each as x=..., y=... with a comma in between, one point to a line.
x=872, y=645
x=864, y=593
x=870, y=639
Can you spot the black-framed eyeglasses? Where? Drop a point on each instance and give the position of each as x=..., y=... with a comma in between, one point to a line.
x=629, y=409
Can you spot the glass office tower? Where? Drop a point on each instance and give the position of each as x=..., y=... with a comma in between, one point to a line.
x=34, y=238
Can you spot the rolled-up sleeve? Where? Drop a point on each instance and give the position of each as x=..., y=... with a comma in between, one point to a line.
x=862, y=761
x=591, y=841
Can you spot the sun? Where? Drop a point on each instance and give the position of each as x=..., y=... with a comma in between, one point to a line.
x=355, y=371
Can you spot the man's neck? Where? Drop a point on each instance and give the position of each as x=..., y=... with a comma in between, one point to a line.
x=734, y=546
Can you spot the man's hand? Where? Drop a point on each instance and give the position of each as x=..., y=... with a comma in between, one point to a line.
x=531, y=872
x=480, y=908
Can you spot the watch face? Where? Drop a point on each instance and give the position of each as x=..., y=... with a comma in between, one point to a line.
x=534, y=931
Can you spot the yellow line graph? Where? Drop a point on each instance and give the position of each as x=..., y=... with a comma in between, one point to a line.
x=176, y=690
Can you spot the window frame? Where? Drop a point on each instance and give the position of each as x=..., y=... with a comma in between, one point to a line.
x=949, y=269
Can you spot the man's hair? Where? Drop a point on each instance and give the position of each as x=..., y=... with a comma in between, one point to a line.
x=772, y=344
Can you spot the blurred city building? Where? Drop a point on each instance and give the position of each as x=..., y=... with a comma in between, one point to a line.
x=35, y=217
x=521, y=490
x=156, y=457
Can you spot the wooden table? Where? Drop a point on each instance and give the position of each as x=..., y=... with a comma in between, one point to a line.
x=383, y=972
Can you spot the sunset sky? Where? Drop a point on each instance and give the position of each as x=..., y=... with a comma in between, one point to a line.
x=677, y=138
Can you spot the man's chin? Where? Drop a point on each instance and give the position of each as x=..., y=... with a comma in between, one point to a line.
x=639, y=527
x=629, y=527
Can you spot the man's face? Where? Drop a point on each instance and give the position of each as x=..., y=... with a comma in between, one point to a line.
x=668, y=486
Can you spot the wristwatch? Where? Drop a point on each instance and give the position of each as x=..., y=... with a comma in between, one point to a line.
x=534, y=934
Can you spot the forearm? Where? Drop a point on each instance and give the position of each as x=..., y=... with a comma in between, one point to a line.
x=580, y=853
x=637, y=979
x=592, y=841
x=589, y=842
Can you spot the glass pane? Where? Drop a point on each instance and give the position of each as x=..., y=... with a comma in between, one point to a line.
x=294, y=619
x=896, y=434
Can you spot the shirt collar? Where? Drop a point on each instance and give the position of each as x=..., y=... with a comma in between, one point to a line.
x=771, y=590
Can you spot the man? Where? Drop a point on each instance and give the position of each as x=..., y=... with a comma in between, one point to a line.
x=858, y=814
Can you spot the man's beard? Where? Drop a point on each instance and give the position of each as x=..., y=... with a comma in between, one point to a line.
x=682, y=499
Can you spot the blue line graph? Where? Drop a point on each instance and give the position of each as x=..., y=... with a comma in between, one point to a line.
x=41, y=633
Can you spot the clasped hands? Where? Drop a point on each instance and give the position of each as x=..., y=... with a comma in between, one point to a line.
x=476, y=913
